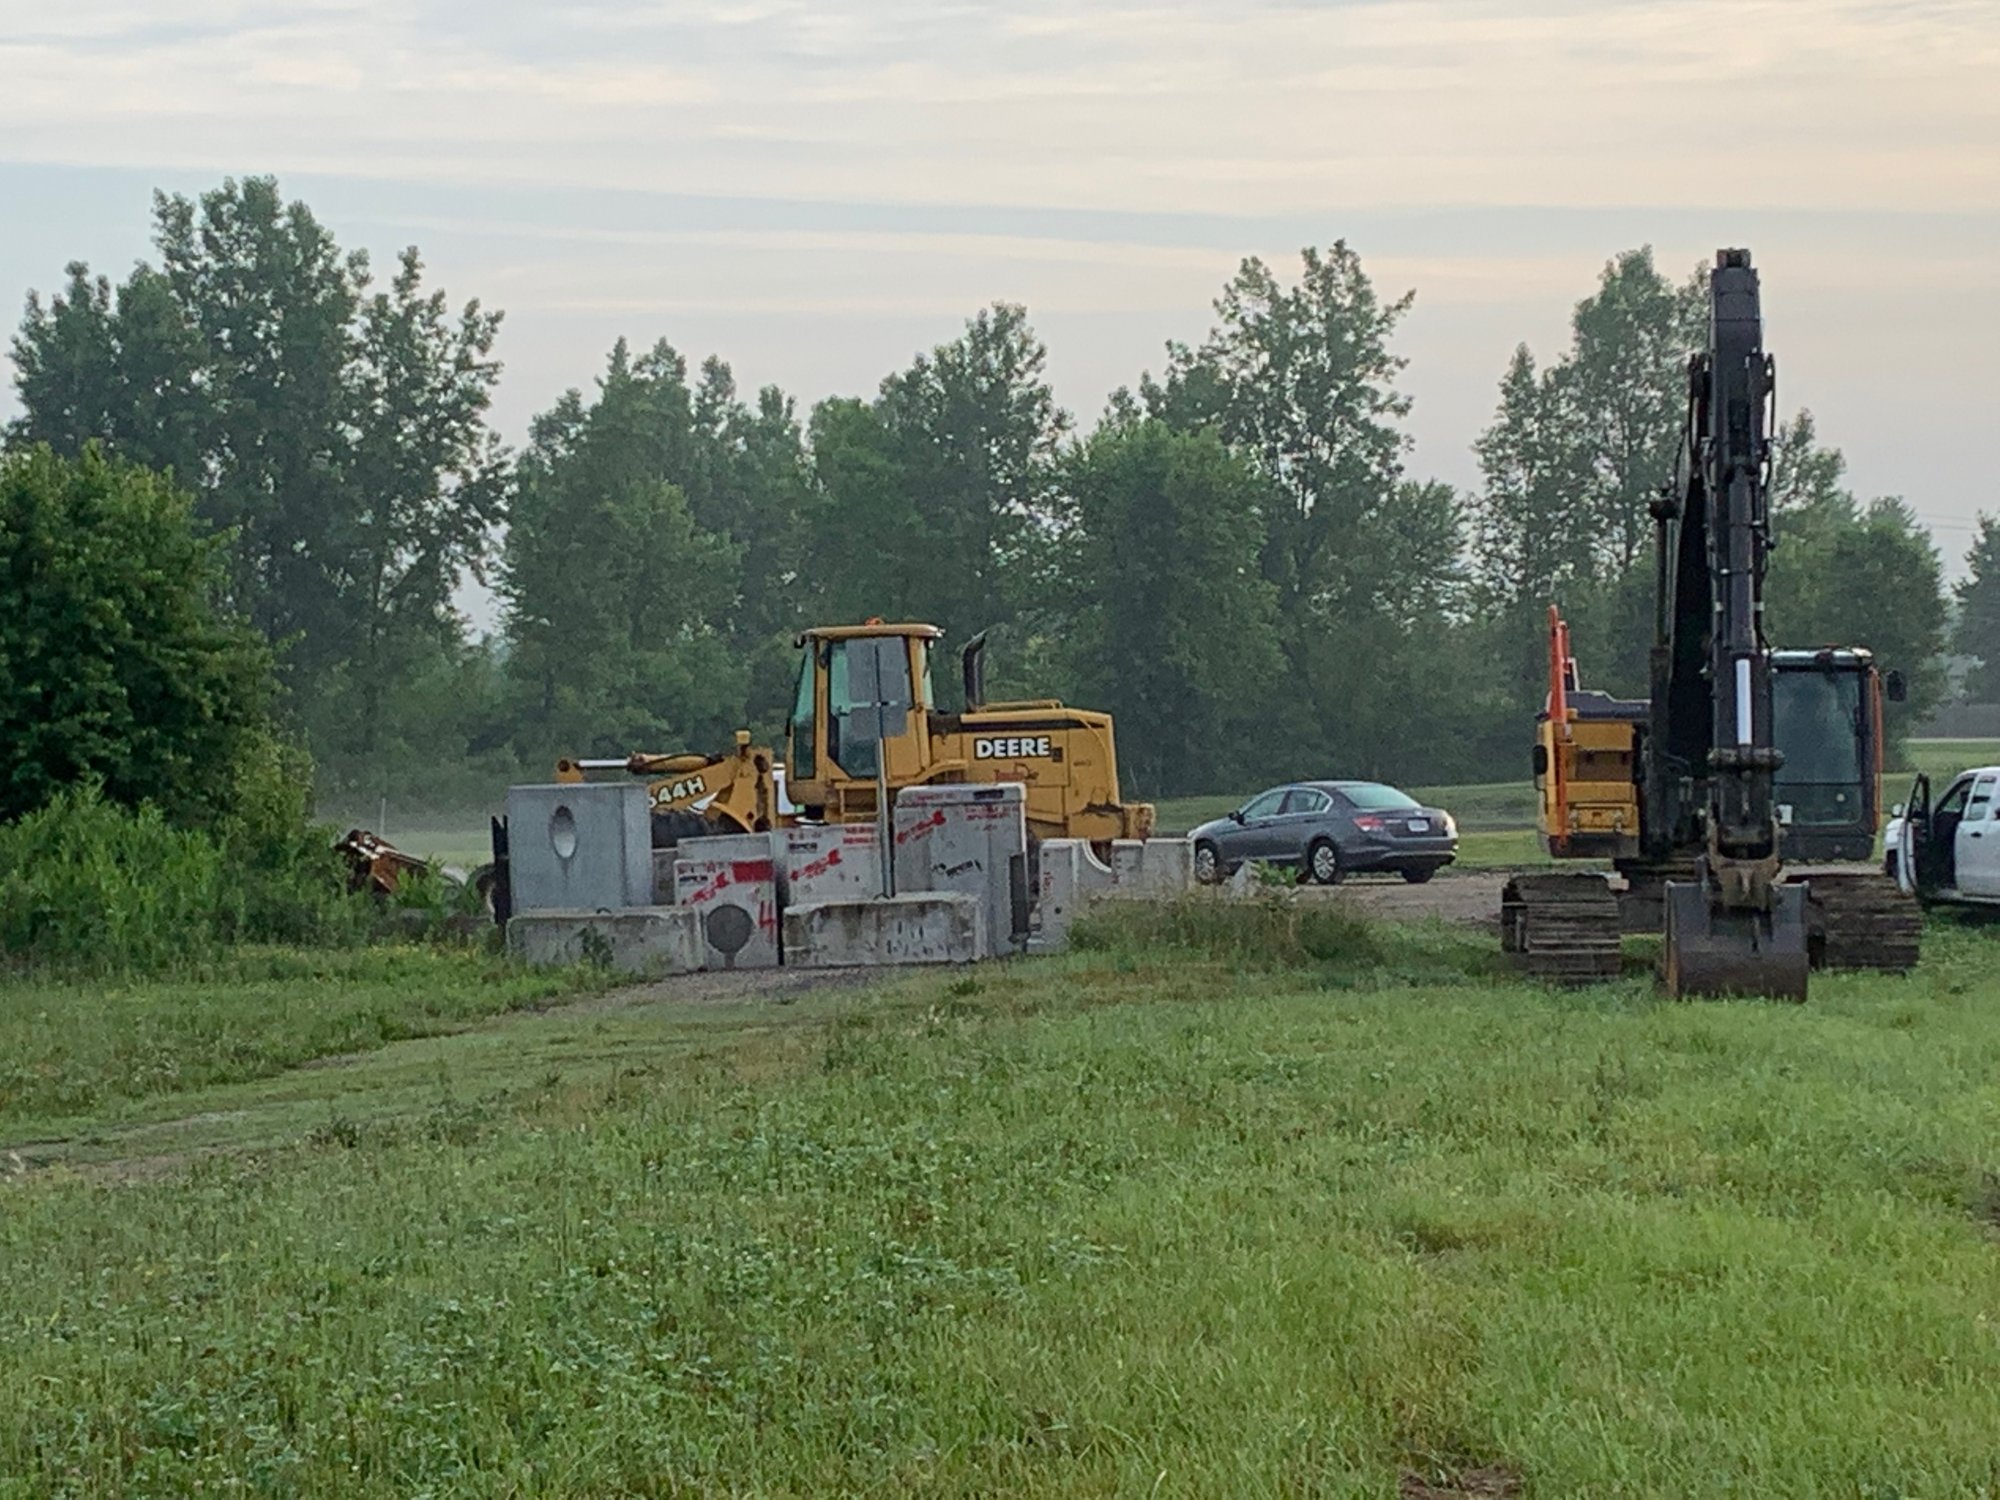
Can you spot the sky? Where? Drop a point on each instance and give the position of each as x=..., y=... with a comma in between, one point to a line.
x=817, y=191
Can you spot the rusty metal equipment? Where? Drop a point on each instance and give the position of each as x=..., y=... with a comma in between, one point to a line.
x=374, y=864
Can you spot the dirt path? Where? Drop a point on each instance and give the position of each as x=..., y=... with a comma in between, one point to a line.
x=1468, y=896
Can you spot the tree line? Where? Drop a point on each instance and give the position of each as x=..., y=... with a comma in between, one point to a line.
x=1234, y=558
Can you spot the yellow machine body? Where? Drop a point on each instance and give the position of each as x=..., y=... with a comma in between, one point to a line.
x=1589, y=792
x=1065, y=757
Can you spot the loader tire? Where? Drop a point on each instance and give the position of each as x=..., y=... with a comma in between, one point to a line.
x=672, y=828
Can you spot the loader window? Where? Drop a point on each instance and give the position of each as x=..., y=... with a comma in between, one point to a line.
x=805, y=748
x=857, y=759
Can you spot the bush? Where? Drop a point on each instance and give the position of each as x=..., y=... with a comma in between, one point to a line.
x=88, y=885
x=116, y=662
x=286, y=883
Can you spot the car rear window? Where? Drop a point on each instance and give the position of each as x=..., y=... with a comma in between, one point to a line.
x=1371, y=796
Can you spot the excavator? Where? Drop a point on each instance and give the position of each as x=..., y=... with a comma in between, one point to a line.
x=1065, y=757
x=1742, y=762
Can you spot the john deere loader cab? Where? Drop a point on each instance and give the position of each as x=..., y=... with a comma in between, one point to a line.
x=1064, y=757
x=831, y=764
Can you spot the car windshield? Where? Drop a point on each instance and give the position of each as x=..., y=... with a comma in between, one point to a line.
x=1371, y=796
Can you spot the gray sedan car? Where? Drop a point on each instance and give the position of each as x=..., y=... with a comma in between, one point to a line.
x=1328, y=830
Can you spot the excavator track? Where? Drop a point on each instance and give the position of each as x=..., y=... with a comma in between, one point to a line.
x=1860, y=919
x=1563, y=928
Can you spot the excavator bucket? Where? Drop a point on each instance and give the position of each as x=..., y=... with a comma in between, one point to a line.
x=1715, y=951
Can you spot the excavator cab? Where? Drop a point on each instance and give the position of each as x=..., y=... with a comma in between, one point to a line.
x=1826, y=721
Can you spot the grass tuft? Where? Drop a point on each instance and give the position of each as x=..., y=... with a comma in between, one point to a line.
x=1273, y=930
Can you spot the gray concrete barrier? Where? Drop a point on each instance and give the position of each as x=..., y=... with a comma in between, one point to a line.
x=914, y=928
x=642, y=941
x=732, y=885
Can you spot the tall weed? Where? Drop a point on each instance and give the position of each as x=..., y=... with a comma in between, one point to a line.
x=1272, y=931
x=87, y=884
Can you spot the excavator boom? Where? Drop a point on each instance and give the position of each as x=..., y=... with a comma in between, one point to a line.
x=1734, y=929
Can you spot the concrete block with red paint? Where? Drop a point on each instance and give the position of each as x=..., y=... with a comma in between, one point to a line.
x=732, y=886
x=831, y=862
x=974, y=840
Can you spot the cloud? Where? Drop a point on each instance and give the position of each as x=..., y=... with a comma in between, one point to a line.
x=1236, y=107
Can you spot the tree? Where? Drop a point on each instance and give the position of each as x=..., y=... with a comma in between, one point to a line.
x=974, y=429
x=936, y=501
x=1302, y=379
x=1574, y=457
x=1978, y=595
x=1847, y=574
x=117, y=663
x=1172, y=628
x=338, y=438
x=614, y=592
x=1532, y=530
x=430, y=478
x=749, y=480
x=869, y=545
x=1624, y=386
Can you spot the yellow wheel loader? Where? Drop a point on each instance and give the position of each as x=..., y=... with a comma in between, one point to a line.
x=1064, y=756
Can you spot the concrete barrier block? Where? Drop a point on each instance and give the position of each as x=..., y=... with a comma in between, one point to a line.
x=642, y=941
x=1152, y=867
x=974, y=839
x=583, y=847
x=1071, y=873
x=915, y=928
x=832, y=862
x=750, y=846
x=731, y=885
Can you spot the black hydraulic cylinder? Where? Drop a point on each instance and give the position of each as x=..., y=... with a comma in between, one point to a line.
x=1733, y=468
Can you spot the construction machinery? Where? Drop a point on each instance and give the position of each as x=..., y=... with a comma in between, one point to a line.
x=374, y=864
x=1065, y=757
x=1743, y=762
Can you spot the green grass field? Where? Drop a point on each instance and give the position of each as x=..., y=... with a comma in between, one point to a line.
x=1243, y=1201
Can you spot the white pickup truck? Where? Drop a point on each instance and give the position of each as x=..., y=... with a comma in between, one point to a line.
x=1948, y=849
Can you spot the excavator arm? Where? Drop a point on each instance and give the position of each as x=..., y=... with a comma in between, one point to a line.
x=1712, y=756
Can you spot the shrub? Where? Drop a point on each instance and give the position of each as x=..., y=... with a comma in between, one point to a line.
x=87, y=884
x=90, y=886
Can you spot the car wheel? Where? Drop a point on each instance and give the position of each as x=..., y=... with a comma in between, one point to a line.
x=1419, y=876
x=1207, y=864
x=1323, y=863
